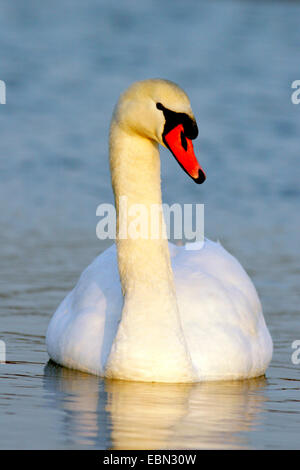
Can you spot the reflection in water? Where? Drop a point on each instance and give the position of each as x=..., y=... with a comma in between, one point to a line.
x=82, y=399
x=135, y=415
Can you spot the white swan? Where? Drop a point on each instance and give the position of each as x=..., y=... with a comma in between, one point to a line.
x=147, y=311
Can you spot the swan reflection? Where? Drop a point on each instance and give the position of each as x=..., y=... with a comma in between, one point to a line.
x=135, y=415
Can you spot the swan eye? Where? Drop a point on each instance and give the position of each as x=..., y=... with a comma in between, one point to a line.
x=174, y=118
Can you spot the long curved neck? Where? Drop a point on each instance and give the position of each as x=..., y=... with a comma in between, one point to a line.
x=149, y=344
x=135, y=171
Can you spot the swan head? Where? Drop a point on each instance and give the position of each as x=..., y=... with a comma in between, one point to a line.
x=160, y=110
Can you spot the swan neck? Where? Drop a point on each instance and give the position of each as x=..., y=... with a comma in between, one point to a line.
x=135, y=172
x=149, y=344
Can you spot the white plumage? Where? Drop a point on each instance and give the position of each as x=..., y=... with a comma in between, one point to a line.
x=148, y=310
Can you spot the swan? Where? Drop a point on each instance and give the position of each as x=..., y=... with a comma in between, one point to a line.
x=145, y=309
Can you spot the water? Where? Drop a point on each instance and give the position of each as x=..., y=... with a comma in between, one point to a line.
x=64, y=65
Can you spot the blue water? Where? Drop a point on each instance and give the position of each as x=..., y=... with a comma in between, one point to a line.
x=64, y=64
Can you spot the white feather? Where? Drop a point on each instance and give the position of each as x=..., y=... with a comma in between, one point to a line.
x=184, y=315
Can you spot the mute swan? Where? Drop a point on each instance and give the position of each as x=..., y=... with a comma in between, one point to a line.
x=145, y=310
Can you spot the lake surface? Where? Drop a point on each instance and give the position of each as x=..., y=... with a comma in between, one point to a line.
x=64, y=64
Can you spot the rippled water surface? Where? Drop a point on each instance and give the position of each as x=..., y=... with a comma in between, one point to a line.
x=64, y=64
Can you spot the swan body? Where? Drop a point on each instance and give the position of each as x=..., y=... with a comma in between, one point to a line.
x=146, y=309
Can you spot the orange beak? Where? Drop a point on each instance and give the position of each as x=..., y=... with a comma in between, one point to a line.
x=183, y=150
